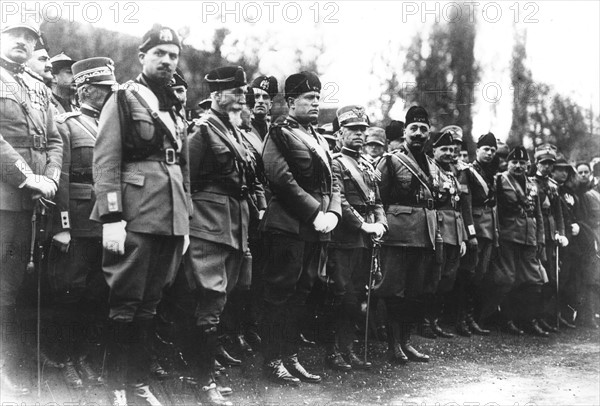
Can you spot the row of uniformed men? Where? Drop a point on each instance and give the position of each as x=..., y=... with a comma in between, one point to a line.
x=154, y=194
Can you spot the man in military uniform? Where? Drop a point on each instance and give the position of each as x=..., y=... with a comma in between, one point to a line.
x=448, y=203
x=265, y=89
x=222, y=182
x=375, y=145
x=142, y=194
x=40, y=62
x=64, y=91
x=78, y=288
x=349, y=258
x=304, y=209
x=407, y=252
x=483, y=223
x=31, y=157
x=554, y=227
x=519, y=274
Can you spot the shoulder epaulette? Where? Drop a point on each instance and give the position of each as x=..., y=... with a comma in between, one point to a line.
x=61, y=118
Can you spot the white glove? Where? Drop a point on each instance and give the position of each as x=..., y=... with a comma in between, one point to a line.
x=113, y=237
x=562, y=240
x=376, y=229
x=380, y=230
x=463, y=248
x=41, y=186
x=319, y=222
x=331, y=221
x=186, y=243
x=261, y=214
x=575, y=229
x=62, y=240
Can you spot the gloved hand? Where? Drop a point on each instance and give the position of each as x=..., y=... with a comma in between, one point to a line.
x=463, y=248
x=380, y=230
x=261, y=214
x=562, y=240
x=113, y=237
x=186, y=243
x=319, y=222
x=575, y=229
x=41, y=186
x=62, y=240
x=331, y=221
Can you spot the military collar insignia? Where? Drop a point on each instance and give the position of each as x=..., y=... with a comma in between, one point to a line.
x=12, y=66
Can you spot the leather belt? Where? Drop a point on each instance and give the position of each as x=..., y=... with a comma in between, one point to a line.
x=168, y=156
x=237, y=192
x=25, y=141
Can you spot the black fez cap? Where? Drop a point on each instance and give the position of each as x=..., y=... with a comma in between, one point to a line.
x=518, y=154
x=488, y=140
x=394, y=130
x=41, y=43
x=416, y=114
x=227, y=77
x=302, y=82
x=205, y=104
x=178, y=79
x=159, y=35
x=442, y=139
x=266, y=83
x=94, y=71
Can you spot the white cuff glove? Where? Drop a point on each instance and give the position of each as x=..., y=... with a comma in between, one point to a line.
x=41, y=186
x=563, y=241
x=186, y=243
x=113, y=237
x=319, y=222
x=331, y=221
x=62, y=240
x=575, y=229
x=463, y=248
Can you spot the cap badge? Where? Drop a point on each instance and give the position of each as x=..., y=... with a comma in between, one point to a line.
x=264, y=84
x=165, y=35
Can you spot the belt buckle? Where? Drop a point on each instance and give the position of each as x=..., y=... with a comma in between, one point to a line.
x=430, y=204
x=38, y=141
x=170, y=156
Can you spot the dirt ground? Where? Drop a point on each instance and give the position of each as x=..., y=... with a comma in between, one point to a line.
x=495, y=370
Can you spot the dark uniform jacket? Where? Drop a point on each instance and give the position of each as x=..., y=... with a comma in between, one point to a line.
x=550, y=205
x=519, y=212
x=151, y=194
x=483, y=202
x=75, y=196
x=298, y=170
x=409, y=205
x=223, y=183
x=358, y=206
x=29, y=139
x=449, y=205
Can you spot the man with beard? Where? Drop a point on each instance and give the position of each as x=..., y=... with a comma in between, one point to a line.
x=519, y=274
x=363, y=220
x=407, y=252
x=304, y=209
x=64, y=91
x=265, y=89
x=222, y=182
x=142, y=194
x=31, y=153
x=40, y=62
x=78, y=288
x=554, y=227
x=480, y=182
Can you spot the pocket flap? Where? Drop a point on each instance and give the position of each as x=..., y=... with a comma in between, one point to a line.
x=80, y=191
x=395, y=210
x=133, y=178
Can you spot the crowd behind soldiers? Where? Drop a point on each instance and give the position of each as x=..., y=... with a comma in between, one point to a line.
x=151, y=234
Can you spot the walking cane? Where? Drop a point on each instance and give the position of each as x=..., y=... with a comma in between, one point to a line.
x=557, y=289
x=374, y=277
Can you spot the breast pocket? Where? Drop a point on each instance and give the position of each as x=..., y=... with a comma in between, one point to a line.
x=224, y=158
x=302, y=160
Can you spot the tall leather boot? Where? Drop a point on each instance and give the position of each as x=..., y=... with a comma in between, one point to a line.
x=118, y=338
x=138, y=369
x=411, y=353
x=436, y=315
x=201, y=347
x=395, y=353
